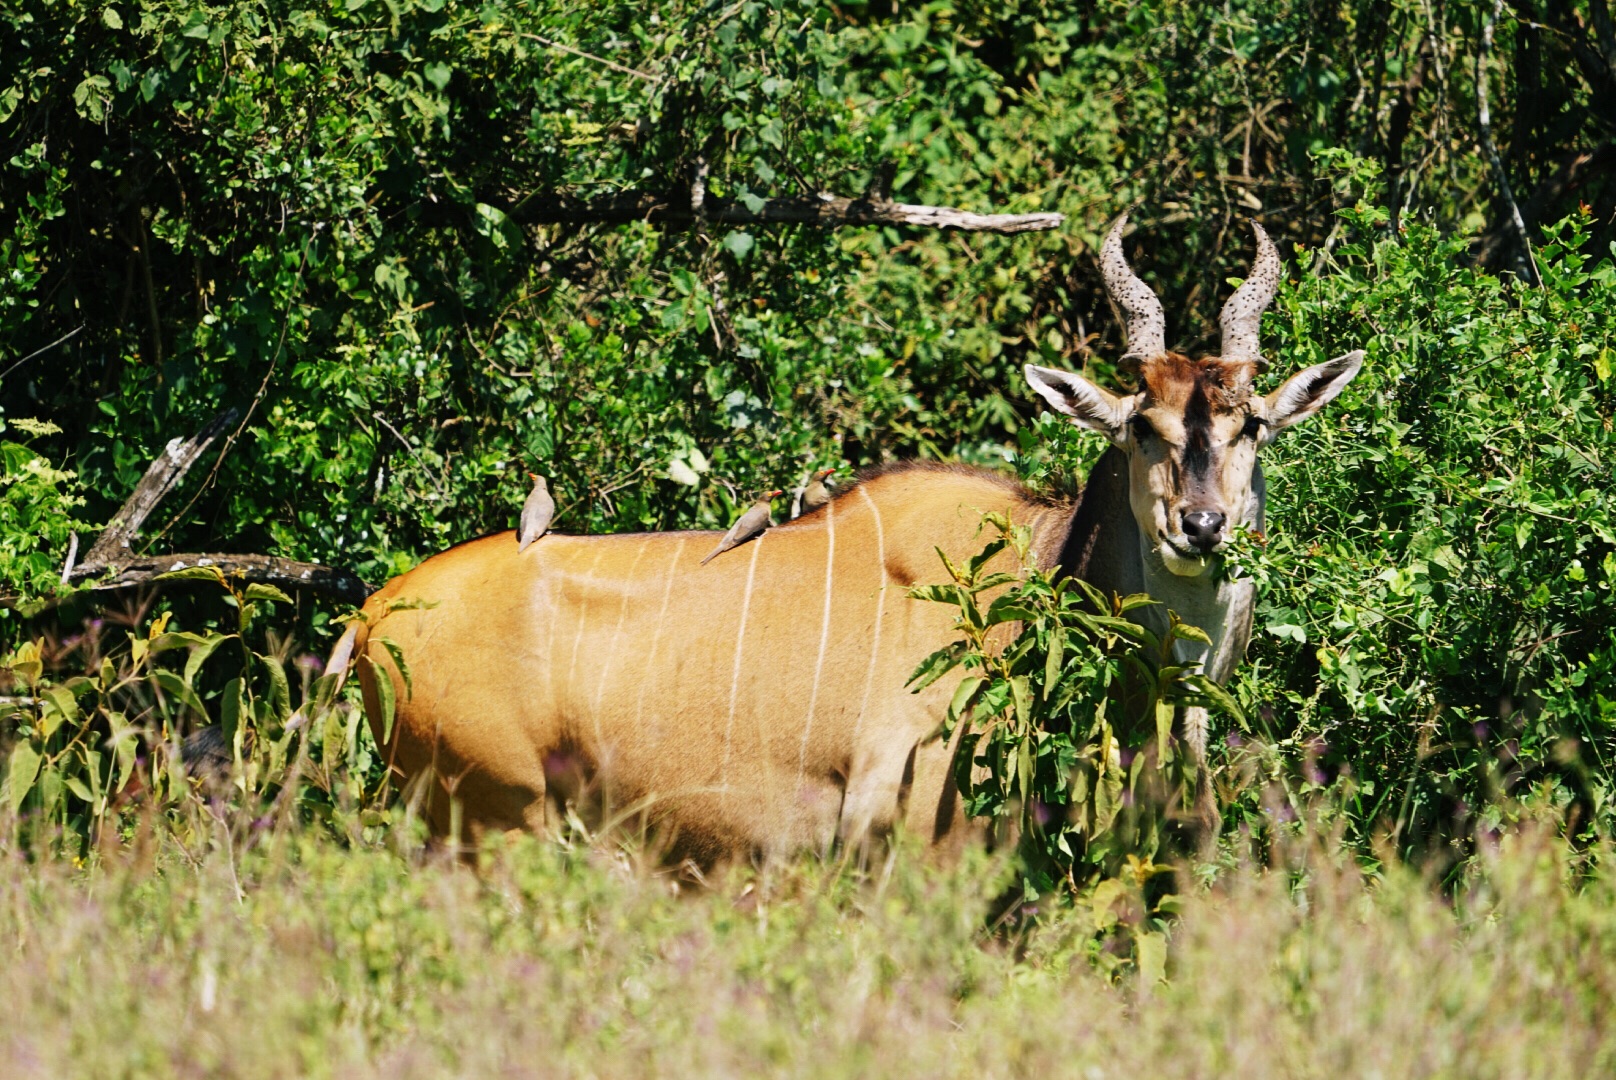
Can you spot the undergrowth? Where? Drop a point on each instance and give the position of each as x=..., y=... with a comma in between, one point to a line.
x=289, y=953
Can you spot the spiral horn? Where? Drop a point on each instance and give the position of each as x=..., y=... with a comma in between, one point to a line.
x=1142, y=317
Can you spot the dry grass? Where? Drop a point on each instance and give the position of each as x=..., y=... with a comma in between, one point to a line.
x=559, y=962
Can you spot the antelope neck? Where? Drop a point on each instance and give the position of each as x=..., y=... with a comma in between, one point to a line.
x=1105, y=547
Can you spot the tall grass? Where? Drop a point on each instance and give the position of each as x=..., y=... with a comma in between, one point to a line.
x=301, y=956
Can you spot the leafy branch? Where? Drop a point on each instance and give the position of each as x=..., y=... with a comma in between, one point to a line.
x=1065, y=718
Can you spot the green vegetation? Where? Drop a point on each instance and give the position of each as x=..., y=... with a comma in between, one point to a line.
x=366, y=227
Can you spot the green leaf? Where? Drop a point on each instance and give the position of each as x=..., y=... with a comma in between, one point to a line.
x=1219, y=698
x=194, y=573
x=10, y=98
x=90, y=97
x=1021, y=694
x=1164, y=728
x=994, y=580
x=1009, y=608
x=180, y=689
x=739, y=244
x=1150, y=955
x=1184, y=630
x=200, y=651
x=397, y=654
x=280, y=694
x=259, y=590
x=111, y=17
x=230, y=710
x=389, y=704
x=964, y=694
x=24, y=768
x=1024, y=770
x=1052, y=660
x=60, y=708
x=77, y=787
x=974, y=566
x=937, y=594
x=1102, y=903
x=124, y=745
x=936, y=666
x=437, y=75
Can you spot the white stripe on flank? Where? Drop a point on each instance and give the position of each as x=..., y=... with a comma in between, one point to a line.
x=572, y=666
x=880, y=606
x=740, y=641
x=611, y=649
x=656, y=637
x=824, y=640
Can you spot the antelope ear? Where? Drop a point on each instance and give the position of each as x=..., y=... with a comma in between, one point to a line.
x=1088, y=405
x=1309, y=390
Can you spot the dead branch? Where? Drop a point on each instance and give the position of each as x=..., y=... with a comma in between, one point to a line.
x=1570, y=173
x=1484, y=121
x=268, y=569
x=161, y=478
x=113, y=563
x=824, y=210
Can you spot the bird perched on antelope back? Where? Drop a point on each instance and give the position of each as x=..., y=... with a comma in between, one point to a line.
x=816, y=493
x=536, y=513
x=752, y=523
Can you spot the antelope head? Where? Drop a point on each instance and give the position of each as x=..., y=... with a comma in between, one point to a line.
x=1192, y=430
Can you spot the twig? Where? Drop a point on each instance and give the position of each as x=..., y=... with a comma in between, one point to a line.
x=36, y=352
x=590, y=56
x=1484, y=120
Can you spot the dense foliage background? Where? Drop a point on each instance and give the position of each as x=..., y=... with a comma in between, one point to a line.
x=332, y=218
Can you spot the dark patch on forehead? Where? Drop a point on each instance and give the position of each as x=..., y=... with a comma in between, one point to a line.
x=1198, y=430
x=1168, y=380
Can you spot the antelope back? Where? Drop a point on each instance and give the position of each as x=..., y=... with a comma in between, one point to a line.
x=753, y=704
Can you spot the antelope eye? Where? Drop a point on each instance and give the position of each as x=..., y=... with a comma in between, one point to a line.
x=1142, y=429
x=1253, y=425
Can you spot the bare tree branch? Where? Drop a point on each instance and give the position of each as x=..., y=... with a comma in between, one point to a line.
x=1570, y=174
x=824, y=210
x=268, y=569
x=161, y=478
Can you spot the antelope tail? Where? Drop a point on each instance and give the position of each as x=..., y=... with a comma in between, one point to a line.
x=342, y=656
x=340, y=661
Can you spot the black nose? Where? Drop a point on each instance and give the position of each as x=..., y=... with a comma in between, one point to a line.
x=1203, y=528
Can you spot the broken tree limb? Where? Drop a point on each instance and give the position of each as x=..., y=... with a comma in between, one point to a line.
x=161, y=477
x=824, y=210
x=266, y=569
x=112, y=563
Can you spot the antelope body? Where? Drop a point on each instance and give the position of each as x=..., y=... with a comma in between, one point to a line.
x=758, y=703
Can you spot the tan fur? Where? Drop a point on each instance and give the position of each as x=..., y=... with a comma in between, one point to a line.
x=756, y=704
x=1161, y=489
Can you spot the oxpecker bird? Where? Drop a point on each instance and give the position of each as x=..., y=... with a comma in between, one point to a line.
x=752, y=523
x=536, y=514
x=818, y=491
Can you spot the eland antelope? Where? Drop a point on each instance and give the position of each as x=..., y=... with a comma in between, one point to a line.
x=757, y=704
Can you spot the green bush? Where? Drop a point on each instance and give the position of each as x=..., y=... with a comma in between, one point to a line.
x=1437, y=618
x=1060, y=723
